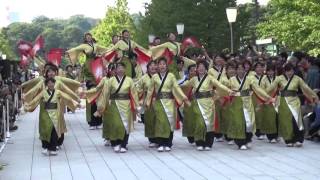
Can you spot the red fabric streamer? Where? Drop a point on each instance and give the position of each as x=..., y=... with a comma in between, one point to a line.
x=168, y=55
x=54, y=56
x=24, y=61
x=110, y=56
x=132, y=105
x=141, y=56
x=189, y=42
x=38, y=44
x=24, y=48
x=97, y=69
x=216, y=122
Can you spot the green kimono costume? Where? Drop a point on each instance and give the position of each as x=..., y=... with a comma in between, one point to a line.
x=120, y=100
x=258, y=105
x=149, y=115
x=218, y=74
x=165, y=103
x=269, y=117
x=289, y=106
x=203, y=103
x=242, y=106
x=91, y=51
x=124, y=50
x=34, y=94
x=51, y=111
x=174, y=48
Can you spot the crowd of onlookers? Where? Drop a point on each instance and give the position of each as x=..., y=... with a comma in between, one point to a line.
x=11, y=77
x=305, y=66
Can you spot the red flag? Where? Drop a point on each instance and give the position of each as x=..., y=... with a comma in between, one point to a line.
x=38, y=44
x=97, y=69
x=54, y=56
x=189, y=42
x=24, y=48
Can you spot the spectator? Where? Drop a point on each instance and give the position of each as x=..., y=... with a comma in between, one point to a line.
x=313, y=74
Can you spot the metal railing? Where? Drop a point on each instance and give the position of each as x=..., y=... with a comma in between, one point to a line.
x=5, y=133
x=5, y=123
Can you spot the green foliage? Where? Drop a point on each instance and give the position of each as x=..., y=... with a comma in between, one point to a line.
x=5, y=47
x=58, y=33
x=293, y=23
x=205, y=19
x=117, y=19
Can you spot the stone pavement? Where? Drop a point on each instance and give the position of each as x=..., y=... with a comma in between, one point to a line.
x=84, y=157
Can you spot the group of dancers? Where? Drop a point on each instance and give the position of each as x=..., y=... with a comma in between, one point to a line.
x=216, y=99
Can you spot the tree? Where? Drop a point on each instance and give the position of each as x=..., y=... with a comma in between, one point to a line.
x=205, y=19
x=5, y=47
x=58, y=33
x=294, y=24
x=117, y=19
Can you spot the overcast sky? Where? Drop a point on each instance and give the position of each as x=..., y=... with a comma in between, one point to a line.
x=26, y=11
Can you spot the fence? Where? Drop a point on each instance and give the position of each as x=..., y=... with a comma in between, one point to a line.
x=5, y=123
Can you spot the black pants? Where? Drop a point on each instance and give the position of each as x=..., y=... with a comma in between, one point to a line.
x=218, y=135
x=95, y=121
x=298, y=136
x=241, y=142
x=258, y=133
x=208, y=140
x=61, y=139
x=190, y=139
x=275, y=135
x=313, y=130
x=272, y=136
x=122, y=142
x=152, y=140
x=52, y=145
x=227, y=138
x=180, y=115
x=142, y=118
x=166, y=142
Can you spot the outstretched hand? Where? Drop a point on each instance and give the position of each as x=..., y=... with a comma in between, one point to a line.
x=187, y=103
x=97, y=114
x=233, y=93
x=271, y=100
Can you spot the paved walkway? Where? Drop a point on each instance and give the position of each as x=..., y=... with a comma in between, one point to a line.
x=84, y=157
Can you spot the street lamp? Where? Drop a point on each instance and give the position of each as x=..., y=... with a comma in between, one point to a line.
x=151, y=38
x=232, y=17
x=4, y=56
x=180, y=29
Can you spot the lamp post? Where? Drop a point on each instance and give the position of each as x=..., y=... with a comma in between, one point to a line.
x=180, y=29
x=4, y=56
x=151, y=38
x=232, y=17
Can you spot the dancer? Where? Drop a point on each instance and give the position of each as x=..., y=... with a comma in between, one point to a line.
x=165, y=90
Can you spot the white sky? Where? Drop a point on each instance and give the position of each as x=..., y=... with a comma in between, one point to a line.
x=29, y=9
